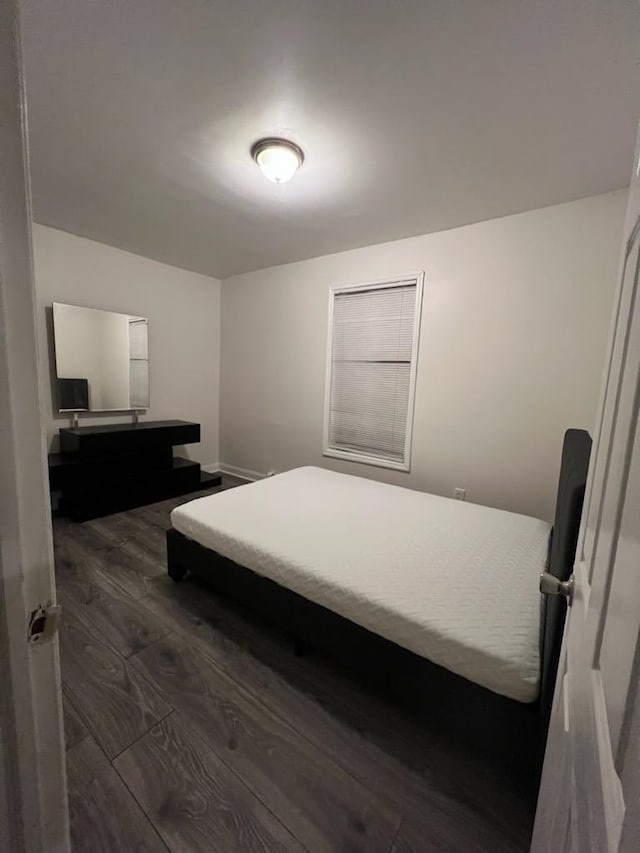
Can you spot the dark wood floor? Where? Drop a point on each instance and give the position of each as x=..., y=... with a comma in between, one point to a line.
x=193, y=726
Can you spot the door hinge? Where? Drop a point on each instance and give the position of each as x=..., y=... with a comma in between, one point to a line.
x=551, y=585
x=43, y=624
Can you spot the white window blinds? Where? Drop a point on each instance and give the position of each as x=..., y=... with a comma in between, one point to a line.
x=373, y=347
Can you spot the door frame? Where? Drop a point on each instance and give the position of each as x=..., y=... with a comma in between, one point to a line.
x=580, y=745
x=33, y=800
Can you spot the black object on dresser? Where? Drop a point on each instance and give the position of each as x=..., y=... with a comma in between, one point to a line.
x=105, y=469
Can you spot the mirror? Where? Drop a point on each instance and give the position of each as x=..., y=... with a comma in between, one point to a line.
x=102, y=359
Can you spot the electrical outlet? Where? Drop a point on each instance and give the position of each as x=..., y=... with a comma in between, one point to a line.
x=460, y=494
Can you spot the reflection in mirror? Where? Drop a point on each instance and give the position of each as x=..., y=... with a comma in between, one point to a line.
x=102, y=359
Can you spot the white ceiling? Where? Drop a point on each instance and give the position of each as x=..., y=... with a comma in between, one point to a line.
x=414, y=115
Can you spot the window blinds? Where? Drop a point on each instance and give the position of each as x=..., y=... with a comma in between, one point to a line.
x=372, y=348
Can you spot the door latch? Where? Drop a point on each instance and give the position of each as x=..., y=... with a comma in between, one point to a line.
x=43, y=624
x=551, y=585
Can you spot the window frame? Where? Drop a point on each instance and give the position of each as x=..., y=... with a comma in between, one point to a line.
x=354, y=456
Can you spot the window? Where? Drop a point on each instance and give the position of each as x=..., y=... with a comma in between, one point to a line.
x=371, y=369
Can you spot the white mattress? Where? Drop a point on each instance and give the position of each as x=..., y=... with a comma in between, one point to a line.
x=454, y=582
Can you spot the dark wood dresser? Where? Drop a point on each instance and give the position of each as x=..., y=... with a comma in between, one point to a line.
x=106, y=469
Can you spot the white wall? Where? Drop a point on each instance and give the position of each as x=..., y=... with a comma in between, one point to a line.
x=184, y=328
x=515, y=321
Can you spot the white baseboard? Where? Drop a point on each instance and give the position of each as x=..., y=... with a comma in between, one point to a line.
x=234, y=471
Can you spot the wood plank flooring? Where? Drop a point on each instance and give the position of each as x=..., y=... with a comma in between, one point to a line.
x=197, y=803
x=192, y=726
x=102, y=806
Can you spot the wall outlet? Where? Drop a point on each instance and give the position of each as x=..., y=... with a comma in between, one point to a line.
x=460, y=494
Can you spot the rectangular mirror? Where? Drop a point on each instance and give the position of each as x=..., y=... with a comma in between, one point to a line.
x=102, y=359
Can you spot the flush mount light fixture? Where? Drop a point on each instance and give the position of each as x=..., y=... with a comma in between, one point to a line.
x=279, y=159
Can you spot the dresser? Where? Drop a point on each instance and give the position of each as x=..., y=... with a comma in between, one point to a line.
x=104, y=469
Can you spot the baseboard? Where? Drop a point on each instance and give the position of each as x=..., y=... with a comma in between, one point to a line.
x=241, y=473
x=211, y=468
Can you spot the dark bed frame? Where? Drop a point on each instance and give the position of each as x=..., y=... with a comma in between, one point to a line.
x=511, y=732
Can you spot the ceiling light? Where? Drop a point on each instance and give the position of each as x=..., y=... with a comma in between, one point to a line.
x=278, y=158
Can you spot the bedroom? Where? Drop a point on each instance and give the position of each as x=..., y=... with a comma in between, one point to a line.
x=471, y=159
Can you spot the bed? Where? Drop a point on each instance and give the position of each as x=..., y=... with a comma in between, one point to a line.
x=434, y=600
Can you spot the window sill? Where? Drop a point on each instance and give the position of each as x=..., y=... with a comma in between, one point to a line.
x=378, y=461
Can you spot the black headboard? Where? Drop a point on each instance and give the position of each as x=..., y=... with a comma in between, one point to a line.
x=576, y=450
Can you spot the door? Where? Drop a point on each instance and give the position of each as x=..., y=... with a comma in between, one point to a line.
x=33, y=812
x=588, y=798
